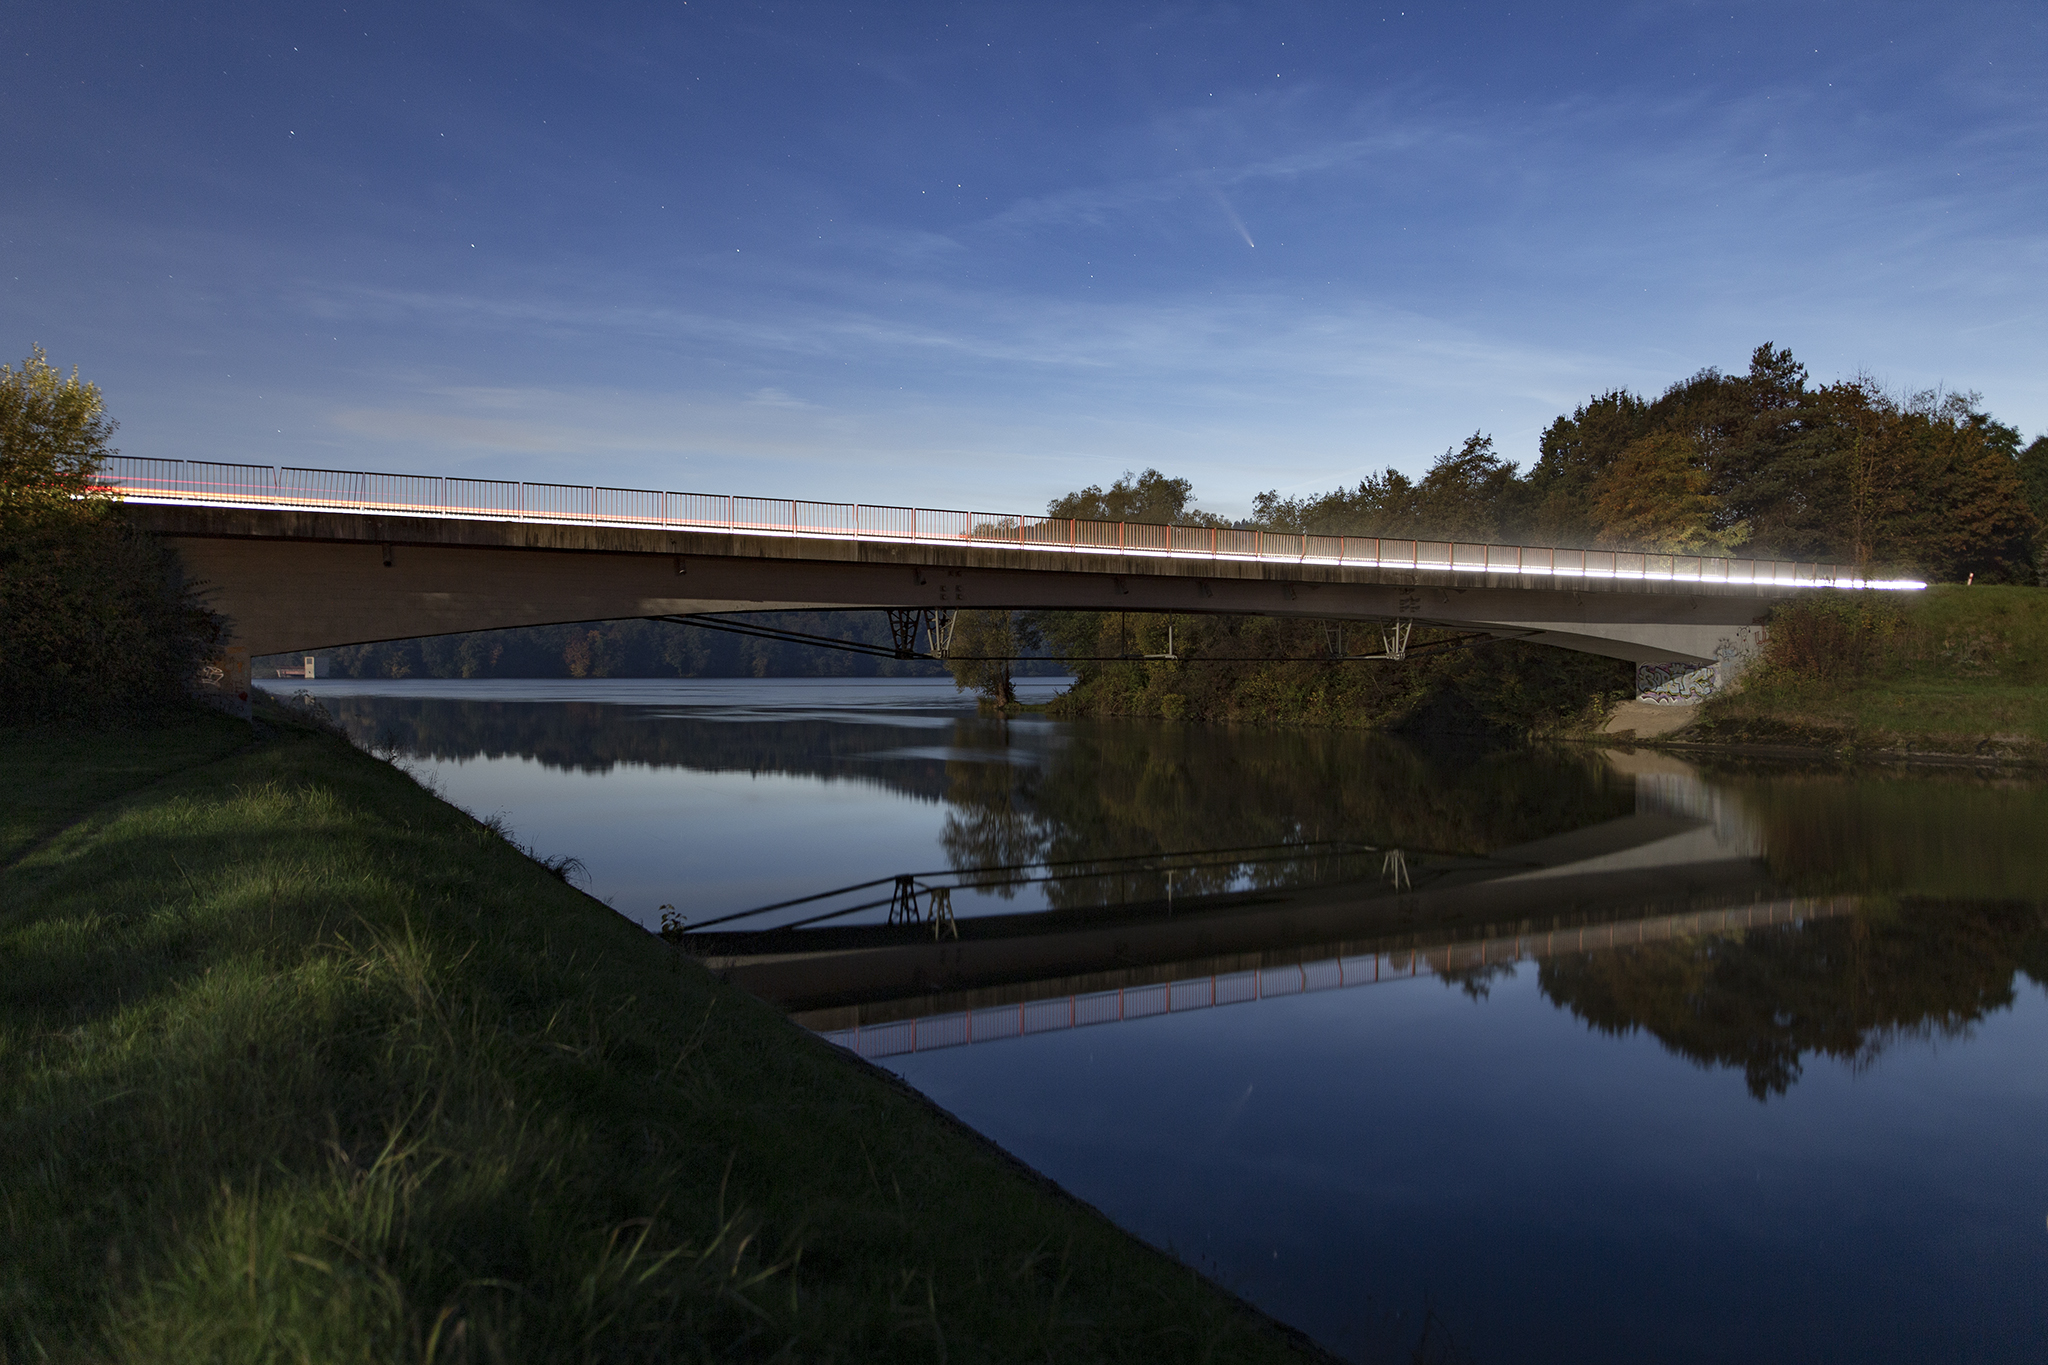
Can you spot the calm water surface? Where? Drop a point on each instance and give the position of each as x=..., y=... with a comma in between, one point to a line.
x=1517, y=1055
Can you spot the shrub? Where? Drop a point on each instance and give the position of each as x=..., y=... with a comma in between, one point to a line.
x=95, y=623
x=1831, y=637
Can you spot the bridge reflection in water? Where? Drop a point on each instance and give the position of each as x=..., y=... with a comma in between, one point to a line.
x=1685, y=865
x=924, y=1033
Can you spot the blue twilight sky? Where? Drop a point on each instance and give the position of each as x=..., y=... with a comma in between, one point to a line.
x=977, y=255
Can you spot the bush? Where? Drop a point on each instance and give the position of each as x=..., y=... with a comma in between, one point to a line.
x=95, y=624
x=1831, y=637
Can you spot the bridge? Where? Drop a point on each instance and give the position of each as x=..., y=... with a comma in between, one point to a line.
x=306, y=559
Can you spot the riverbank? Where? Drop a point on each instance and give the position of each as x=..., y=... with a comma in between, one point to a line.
x=1271, y=671
x=302, y=1061
x=1955, y=673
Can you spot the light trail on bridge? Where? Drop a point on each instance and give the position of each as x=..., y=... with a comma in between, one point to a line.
x=203, y=483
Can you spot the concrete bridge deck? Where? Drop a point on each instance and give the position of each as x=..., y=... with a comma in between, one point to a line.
x=310, y=559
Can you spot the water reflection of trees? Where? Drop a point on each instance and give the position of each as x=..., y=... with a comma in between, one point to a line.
x=594, y=737
x=1020, y=792
x=1120, y=788
x=1937, y=835
x=1844, y=988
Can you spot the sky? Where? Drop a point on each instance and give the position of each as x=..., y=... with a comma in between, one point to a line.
x=981, y=255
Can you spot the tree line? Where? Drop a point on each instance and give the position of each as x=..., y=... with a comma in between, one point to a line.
x=1765, y=463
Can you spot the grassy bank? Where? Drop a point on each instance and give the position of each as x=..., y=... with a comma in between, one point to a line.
x=300, y=1062
x=1953, y=671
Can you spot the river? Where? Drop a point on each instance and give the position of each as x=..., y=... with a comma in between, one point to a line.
x=1494, y=1053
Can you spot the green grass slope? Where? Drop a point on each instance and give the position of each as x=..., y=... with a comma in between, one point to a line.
x=300, y=1063
x=1954, y=670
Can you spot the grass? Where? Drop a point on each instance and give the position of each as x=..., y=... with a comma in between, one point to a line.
x=299, y=1062
x=1953, y=670
x=46, y=788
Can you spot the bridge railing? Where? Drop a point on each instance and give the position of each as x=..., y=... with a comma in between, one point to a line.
x=218, y=484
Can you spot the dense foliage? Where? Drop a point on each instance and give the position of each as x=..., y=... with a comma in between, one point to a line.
x=94, y=625
x=1150, y=498
x=1953, y=670
x=1844, y=988
x=1764, y=463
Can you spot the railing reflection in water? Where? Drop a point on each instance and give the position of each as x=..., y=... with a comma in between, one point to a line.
x=964, y=1027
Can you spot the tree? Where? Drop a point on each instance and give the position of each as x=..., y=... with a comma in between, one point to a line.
x=1654, y=497
x=1926, y=483
x=1469, y=493
x=1969, y=512
x=94, y=624
x=1573, y=456
x=53, y=433
x=1764, y=461
x=1845, y=988
x=1752, y=431
x=2033, y=467
x=983, y=645
x=1150, y=497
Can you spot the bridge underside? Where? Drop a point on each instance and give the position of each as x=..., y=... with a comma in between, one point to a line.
x=296, y=581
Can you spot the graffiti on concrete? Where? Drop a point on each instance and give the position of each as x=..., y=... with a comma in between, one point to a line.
x=1676, y=684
